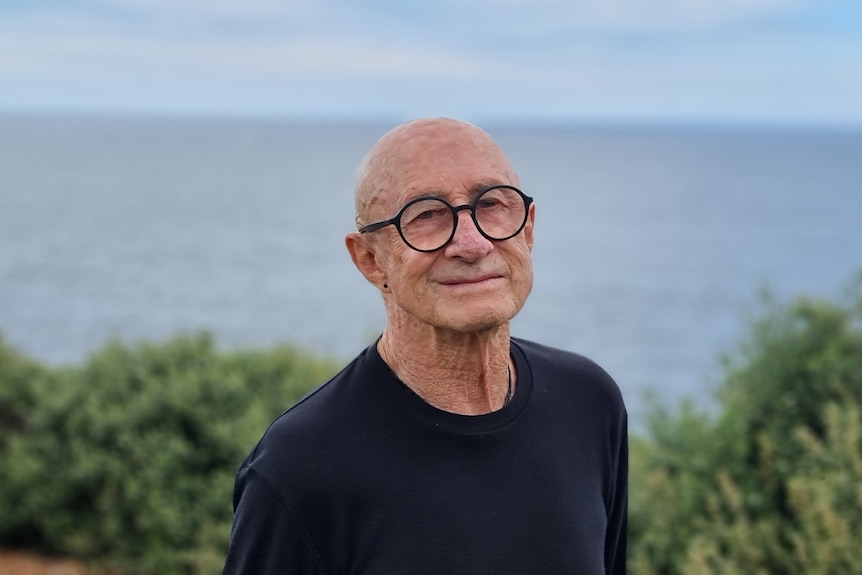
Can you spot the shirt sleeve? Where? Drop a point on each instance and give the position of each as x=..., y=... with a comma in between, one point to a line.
x=266, y=538
x=617, y=533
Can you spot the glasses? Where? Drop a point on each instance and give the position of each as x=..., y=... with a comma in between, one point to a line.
x=428, y=223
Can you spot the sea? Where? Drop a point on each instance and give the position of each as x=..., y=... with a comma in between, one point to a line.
x=654, y=244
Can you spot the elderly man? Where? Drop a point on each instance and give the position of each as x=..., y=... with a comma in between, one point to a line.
x=448, y=447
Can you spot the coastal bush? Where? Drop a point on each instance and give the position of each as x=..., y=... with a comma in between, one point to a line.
x=771, y=481
x=20, y=381
x=129, y=460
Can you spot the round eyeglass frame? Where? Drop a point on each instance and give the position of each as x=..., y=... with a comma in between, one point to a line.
x=396, y=220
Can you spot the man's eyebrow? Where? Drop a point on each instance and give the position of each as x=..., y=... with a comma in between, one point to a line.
x=480, y=187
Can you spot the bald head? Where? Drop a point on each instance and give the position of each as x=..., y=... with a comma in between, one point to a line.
x=422, y=151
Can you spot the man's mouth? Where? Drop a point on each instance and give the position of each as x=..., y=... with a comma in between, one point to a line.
x=470, y=280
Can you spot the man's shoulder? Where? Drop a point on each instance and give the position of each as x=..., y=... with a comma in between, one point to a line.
x=552, y=364
x=557, y=357
x=313, y=423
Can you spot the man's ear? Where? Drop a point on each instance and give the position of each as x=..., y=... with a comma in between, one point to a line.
x=364, y=255
x=528, y=227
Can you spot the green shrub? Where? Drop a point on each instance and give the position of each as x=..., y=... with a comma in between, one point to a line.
x=130, y=459
x=20, y=380
x=770, y=483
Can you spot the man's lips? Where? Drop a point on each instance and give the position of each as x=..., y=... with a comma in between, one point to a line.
x=469, y=280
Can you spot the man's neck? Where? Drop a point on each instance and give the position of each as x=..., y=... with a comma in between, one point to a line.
x=468, y=374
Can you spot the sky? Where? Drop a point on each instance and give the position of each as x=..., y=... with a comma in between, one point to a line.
x=720, y=61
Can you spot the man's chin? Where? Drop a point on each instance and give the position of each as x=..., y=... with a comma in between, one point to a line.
x=469, y=319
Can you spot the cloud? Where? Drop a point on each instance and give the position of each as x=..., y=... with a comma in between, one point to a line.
x=73, y=50
x=483, y=16
x=620, y=56
x=633, y=15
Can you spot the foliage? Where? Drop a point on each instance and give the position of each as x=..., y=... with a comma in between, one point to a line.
x=130, y=458
x=771, y=483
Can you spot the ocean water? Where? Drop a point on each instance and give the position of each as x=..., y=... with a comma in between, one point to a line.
x=652, y=244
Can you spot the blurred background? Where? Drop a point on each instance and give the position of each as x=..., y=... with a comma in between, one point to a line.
x=168, y=167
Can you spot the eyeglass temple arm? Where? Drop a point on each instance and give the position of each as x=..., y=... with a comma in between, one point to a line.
x=373, y=227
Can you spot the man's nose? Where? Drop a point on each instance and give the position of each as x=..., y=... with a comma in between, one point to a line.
x=468, y=241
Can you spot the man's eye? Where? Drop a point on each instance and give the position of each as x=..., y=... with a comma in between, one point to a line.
x=430, y=214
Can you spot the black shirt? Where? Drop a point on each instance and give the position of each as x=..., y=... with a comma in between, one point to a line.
x=364, y=477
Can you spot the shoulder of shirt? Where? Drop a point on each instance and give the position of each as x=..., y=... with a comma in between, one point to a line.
x=306, y=417
x=554, y=355
x=547, y=359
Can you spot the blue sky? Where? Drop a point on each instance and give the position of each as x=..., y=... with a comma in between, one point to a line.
x=772, y=61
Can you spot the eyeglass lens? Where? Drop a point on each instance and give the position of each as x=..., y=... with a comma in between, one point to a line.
x=429, y=224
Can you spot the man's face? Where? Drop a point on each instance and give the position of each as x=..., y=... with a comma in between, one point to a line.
x=472, y=283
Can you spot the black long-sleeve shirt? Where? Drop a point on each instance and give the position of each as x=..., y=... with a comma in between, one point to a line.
x=363, y=477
